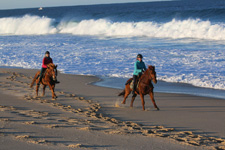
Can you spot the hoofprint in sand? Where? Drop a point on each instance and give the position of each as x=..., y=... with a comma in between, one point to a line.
x=34, y=119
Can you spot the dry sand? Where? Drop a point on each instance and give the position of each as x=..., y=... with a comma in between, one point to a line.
x=85, y=116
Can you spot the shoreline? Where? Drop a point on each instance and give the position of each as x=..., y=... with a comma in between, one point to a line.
x=94, y=114
x=164, y=87
x=160, y=87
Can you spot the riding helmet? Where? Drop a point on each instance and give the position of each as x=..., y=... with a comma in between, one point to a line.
x=139, y=56
x=47, y=52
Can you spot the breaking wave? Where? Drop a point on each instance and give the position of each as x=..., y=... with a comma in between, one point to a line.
x=189, y=28
x=26, y=25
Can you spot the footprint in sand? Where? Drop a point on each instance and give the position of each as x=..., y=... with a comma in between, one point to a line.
x=106, y=124
x=23, y=137
x=5, y=119
x=52, y=126
x=30, y=122
x=75, y=146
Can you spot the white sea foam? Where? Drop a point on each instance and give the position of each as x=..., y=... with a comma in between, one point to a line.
x=115, y=58
x=190, y=28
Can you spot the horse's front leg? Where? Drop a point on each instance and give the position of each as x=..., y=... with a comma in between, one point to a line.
x=44, y=86
x=52, y=88
x=153, y=100
x=132, y=100
x=142, y=101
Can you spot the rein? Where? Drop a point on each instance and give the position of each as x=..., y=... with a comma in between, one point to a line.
x=148, y=78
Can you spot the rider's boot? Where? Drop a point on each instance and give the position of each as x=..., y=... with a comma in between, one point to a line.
x=56, y=81
x=134, y=84
x=134, y=88
x=133, y=92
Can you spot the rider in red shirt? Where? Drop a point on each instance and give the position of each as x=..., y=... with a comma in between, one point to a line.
x=46, y=60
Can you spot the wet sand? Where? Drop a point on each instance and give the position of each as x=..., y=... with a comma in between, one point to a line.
x=85, y=116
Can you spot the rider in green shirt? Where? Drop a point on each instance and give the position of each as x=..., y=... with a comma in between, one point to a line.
x=139, y=67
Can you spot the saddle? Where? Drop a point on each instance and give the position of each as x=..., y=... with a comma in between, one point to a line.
x=132, y=84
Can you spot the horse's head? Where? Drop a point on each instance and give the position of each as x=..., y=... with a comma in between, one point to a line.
x=152, y=73
x=52, y=70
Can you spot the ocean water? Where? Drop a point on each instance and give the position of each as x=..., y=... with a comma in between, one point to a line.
x=184, y=40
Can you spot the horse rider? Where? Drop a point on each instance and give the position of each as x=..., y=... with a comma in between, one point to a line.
x=46, y=60
x=139, y=67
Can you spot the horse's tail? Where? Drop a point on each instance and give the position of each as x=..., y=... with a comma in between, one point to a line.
x=122, y=93
x=34, y=79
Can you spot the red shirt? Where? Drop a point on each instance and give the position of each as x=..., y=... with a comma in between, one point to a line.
x=46, y=61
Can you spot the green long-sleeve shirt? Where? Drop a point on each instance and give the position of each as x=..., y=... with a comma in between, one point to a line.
x=139, y=66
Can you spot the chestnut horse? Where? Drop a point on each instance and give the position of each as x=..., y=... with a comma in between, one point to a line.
x=48, y=79
x=145, y=87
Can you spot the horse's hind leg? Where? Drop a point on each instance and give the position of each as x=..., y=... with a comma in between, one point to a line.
x=125, y=96
x=44, y=86
x=153, y=100
x=132, y=100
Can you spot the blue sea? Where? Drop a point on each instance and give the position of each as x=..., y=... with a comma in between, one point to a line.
x=184, y=40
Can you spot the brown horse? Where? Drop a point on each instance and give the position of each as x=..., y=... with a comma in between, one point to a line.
x=145, y=87
x=47, y=80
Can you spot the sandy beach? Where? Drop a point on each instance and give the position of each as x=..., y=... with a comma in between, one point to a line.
x=86, y=116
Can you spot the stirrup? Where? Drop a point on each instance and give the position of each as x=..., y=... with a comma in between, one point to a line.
x=57, y=82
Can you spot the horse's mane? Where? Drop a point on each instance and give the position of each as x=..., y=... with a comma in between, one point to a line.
x=51, y=66
x=150, y=67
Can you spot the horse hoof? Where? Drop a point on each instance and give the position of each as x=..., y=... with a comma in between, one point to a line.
x=123, y=103
x=158, y=109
